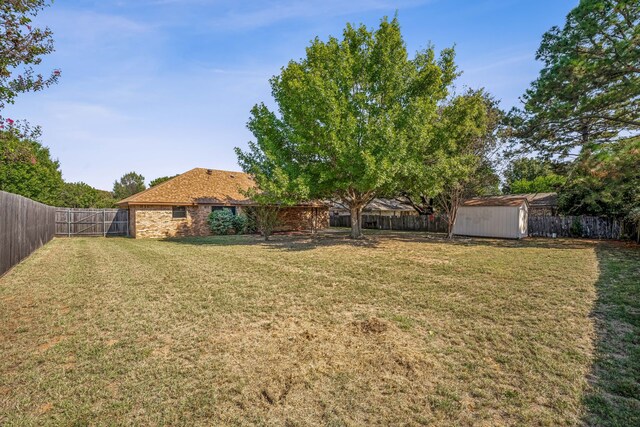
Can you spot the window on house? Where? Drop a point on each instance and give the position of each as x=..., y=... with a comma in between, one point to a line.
x=219, y=208
x=179, y=212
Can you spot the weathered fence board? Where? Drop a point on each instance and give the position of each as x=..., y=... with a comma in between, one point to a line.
x=25, y=225
x=579, y=226
x=92, y=222
x=430, y=223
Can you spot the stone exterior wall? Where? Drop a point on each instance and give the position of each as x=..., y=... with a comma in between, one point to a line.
x=157, y=221
x=303, y=218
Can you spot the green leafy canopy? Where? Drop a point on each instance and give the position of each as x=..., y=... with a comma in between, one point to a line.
x=26, y=168
x=23, y=45
x=589, y=89
x=347, y=114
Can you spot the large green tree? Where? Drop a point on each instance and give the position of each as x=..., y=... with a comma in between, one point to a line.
x=347, y=114
x=128, y=185
x=588, y=91
x=22, y=46
x=26, y=168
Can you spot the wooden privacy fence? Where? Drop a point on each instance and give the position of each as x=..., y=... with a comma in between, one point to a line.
x=25, y=225
x=92, y=222
x=539, y=226
x=430, y=223
x=593, y=227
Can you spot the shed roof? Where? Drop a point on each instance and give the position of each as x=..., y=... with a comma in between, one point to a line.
x=535, y=200
x=510, y=200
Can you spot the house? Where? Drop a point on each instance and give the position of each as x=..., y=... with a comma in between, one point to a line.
x=497, y=216
x=378, y=206
x=181, y=205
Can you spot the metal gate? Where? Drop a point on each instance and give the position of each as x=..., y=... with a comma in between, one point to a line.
x=92, y=222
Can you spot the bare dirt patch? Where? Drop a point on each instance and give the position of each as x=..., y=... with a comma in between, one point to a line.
x=52, y=342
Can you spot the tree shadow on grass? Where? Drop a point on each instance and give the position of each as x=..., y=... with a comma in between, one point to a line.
x=613, y=398
x=296, y=241
x=529, y=242
x=301, y=241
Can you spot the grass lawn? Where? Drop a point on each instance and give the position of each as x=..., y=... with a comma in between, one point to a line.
x=400, y=329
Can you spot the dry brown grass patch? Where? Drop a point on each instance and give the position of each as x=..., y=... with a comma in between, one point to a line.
x=399, y=329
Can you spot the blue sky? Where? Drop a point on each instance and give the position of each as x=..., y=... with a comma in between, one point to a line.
x=162, y=86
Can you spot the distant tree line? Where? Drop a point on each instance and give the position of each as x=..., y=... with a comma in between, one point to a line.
x=26, y=168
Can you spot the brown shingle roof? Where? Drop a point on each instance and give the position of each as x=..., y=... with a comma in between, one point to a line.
x=198, y=185
x=511, y=200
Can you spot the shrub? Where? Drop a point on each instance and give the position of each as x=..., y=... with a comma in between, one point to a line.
x=239, y=224
x=223, y=221
x=220, y=222
x=576, y=228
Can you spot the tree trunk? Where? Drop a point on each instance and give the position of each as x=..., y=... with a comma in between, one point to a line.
x=449, y=201
x=450, y=225
x=356, y=221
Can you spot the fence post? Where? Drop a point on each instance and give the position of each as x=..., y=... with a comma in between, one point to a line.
x=69, y=222
x=104, y=223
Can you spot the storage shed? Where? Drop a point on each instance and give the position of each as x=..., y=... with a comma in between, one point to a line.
x=498, y=216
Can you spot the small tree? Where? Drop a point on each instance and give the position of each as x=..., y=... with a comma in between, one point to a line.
x=266, y=218
x=105, y=199
x=456, y=161
x=130, y=184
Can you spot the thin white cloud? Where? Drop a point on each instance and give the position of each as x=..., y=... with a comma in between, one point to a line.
x=251, y=15
x=500, y=63
x=84, y=112
x=91, y=25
